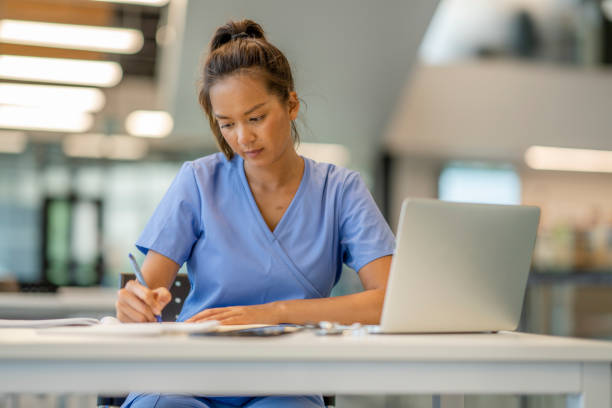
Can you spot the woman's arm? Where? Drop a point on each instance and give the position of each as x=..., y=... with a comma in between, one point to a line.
x=136, y=303
x=364, y=307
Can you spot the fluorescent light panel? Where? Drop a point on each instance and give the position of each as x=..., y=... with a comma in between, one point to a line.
x=97, y=145
x=144, y=123
x=60, y=70
x=68, y=97
x=78, y=37
x=12, y=141
x=54, y=120
x=155, y=3
x=326, y=152
x=566, y=159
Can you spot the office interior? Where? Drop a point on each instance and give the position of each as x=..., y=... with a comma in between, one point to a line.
x=502, y=101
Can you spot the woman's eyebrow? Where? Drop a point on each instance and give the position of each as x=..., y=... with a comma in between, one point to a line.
x=259, y=105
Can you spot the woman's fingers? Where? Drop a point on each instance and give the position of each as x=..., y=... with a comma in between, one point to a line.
x=129, y=315
x=211, y=314
x=148, y=296
x=131, y=308
x=162, y=296
x=238, y=315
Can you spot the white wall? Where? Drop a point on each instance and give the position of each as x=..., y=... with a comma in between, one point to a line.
x=414, y=177
x=497, y=109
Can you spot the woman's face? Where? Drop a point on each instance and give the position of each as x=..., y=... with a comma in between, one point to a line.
x=255, y=123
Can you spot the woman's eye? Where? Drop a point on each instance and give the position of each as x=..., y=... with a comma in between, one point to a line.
x=225, y=125
x=257, y=119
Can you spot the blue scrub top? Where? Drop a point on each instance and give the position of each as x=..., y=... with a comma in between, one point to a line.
x=209, y=219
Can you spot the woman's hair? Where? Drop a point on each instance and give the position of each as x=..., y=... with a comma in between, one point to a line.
x=241, y=47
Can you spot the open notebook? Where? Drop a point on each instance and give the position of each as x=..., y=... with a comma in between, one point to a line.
x=108, y=326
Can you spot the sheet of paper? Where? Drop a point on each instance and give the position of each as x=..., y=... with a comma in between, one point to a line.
x=133, y=329
x=73, y=321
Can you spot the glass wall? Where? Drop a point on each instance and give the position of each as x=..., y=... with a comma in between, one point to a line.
x=72, y=222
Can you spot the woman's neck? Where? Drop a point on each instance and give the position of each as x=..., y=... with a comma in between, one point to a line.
x=283, y=172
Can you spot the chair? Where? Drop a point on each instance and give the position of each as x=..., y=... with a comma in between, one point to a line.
x=179, y=291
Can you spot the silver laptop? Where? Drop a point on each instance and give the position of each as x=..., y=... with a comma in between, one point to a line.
x=459, y=267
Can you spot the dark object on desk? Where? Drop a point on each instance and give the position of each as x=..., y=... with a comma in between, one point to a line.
x=38, y=287
x=266, y=331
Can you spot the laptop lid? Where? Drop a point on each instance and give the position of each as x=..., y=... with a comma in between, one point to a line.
x=459, y=267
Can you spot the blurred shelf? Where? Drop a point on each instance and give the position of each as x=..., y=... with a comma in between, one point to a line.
x=66, y=302
x=573, y=277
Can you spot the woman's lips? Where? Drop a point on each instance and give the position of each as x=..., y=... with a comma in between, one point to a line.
x=253, y=153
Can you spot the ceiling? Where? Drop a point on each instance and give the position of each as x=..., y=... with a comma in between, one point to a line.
x=144, y=19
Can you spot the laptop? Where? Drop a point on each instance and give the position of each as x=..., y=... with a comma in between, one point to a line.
x=459, y=267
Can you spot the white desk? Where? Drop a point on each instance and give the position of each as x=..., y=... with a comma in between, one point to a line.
x=505, y=363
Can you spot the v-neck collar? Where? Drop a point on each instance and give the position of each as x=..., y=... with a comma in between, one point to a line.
x=272, y=234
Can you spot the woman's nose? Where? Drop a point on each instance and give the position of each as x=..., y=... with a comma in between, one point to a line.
x=245, y=135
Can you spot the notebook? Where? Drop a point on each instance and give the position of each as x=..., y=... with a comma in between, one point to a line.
x=108, y=325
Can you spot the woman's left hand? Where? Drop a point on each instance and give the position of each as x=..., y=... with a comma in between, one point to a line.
x=265, y=314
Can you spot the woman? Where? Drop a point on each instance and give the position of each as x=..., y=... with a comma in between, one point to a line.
x=264, y=231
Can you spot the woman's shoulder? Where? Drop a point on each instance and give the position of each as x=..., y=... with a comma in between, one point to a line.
x=331, y=174
x=210, y=165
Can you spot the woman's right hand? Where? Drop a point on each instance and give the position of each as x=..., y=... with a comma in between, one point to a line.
x=138, y=304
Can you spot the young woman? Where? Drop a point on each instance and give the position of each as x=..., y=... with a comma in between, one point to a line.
x=264, y=231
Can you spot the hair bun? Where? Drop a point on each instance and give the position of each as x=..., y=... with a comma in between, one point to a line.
x=236, y=29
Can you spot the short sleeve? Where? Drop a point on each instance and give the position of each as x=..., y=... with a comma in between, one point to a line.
x=364, y=233
x=175, y=225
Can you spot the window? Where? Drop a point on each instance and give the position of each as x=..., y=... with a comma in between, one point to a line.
x=479, y=183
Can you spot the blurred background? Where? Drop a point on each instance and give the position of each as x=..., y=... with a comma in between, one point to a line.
x=504, y=101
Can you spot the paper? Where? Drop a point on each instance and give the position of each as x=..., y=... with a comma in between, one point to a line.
x=73, y=321
x=133, y=329
x=107, y=325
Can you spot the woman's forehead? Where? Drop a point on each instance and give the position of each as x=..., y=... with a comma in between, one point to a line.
x=237, y=93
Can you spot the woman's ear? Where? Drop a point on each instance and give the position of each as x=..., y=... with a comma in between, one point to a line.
x=294, y=105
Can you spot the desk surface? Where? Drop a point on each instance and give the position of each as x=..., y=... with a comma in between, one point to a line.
x=25, y=344
x=303, y=363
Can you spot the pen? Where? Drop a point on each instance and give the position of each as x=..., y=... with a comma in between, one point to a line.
x=138, y=273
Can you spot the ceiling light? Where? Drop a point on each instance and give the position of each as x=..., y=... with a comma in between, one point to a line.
x=325, y=152
x=97, y=145
x=149, y=123
x=69, y=97
x=54, y=120
x=78, y=37
x=124, y=147
x=12, y=141
x=156, y=3
x=84, y=145
x=565, y=159
x=60, y=70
